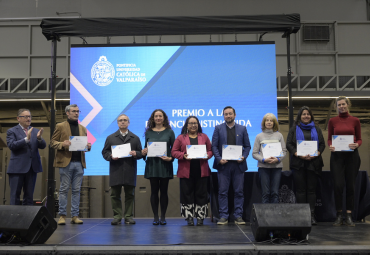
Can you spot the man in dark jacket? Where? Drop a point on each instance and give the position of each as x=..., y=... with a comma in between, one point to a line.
x=24, y=143
x=122, y=171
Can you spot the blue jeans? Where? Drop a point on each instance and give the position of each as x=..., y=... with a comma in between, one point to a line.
x=270, y=182
x=71, y=174
x=231, y=174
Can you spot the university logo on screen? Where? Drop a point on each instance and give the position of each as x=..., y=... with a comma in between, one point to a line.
x=102, y=72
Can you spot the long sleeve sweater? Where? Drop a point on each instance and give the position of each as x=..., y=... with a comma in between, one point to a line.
x=345, y=124
x=268, y=136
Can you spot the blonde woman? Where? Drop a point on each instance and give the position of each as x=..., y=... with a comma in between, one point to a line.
x=269, y=169
x=344, y=164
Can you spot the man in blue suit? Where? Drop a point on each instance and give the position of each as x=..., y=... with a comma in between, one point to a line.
x=230, y=171
x=24, y=142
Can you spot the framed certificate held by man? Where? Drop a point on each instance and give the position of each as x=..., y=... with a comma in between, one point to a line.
x=121, y=151
x=78, y=143
x=232, y=152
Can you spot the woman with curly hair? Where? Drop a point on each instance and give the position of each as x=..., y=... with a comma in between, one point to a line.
x=159, y=170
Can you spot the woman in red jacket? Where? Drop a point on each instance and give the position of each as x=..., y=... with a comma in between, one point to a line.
x=344, y=164
x=193, y=173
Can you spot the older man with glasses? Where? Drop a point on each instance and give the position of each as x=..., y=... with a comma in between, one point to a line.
x=24, y=143
x=122, y=170
x=71, y=163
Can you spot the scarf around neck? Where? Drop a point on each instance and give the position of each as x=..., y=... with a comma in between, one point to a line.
x=309, y=126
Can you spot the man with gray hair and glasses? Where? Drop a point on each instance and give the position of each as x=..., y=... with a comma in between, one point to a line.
x=71, y=163
x=24, y=143
x=122, y=170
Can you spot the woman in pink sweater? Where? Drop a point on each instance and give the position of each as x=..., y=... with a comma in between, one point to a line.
x=193, y=173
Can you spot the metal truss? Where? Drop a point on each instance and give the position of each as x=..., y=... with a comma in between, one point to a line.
x=32, y=85
x=305, y=85
x=302, y=85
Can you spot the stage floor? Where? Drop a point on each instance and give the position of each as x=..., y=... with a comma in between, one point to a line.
x=98, y=235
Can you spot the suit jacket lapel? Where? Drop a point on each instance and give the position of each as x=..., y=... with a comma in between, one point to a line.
x=21, y=131
x=81, y=130
x=119, y=136
x=224, y=136
x=68, y=128
x=127, y=138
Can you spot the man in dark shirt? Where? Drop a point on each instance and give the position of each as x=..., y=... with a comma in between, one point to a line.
x=230, y=172
x=71, y=163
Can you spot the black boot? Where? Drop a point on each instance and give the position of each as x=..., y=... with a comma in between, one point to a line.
x=199, y=222
x=348, y=220
x=313, y=219
x=339, y=220
x=190, y=221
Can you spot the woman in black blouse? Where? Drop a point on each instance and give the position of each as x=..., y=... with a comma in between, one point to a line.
x=306, y=169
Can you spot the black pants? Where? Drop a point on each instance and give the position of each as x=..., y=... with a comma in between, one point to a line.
x=194, y=195
x=344, y=167
x=305, y=183
x=159, y=185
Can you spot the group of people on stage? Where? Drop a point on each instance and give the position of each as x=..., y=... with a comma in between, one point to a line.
x=24, y=142
x=344, y=165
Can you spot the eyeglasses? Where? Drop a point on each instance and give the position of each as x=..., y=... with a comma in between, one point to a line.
x=122, y=120
x=75, y=111
x=26, y=117
x=192, y=124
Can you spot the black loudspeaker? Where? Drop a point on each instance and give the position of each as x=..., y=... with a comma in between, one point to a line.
x=280, y=221
x=31, y=224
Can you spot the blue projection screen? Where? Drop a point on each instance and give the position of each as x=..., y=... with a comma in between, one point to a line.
x=182, y=80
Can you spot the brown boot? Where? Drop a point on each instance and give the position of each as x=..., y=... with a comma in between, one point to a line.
x=76, y=220
x=62, y=220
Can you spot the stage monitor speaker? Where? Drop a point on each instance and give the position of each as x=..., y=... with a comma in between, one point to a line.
x=280, y=221
x=31, y=224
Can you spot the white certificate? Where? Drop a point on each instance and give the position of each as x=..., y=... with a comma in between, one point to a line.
x=78, y=143
x=272, y=150
x=305, y=148
x=341, y=142
x=232, y=152
x=121, y=151
x=196, y=151
x=157, y=149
